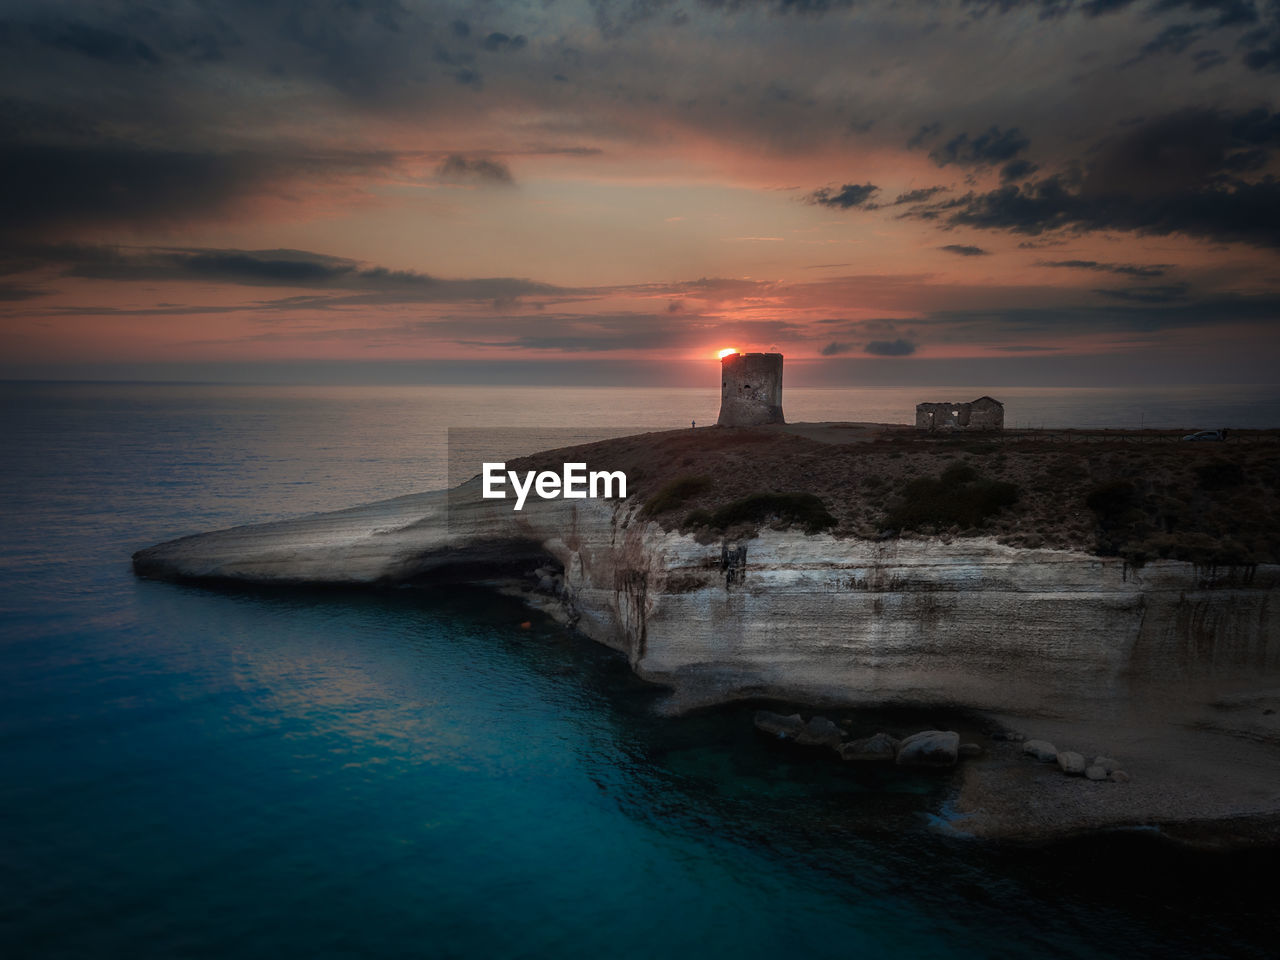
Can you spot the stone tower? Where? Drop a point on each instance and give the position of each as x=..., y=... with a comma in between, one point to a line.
x=750, y=389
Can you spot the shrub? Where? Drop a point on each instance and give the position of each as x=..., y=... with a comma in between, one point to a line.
x=802, y=509
x=1220, y=475
x=959, y=497
x=1112, y=499
x=676, y=493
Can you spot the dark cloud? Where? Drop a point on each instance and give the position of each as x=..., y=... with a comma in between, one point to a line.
x=1174, y=38
x=835, y=348
x=1229, y=12
x=1177, y=174
x=1097, y=8
x=602, y=333
x=282, y=268
x=1171, y=293
x=849, y=196
x=84, y=39
x=926, y=132
x=500, y=41
x=890, y=348
x=1018, y=169
x=1126, y=269
x=119, y=184
x=995, y=146
x=14, y=292
x=965, y=250
x=1207, y=60
x=460, y=169
x=918, y=196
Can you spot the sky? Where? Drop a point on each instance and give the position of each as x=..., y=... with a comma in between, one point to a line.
x=1019, y=192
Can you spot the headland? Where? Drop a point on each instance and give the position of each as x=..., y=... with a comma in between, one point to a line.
x=1111, y=592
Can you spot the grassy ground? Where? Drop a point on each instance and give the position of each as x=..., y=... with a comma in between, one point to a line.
x=1135, y=494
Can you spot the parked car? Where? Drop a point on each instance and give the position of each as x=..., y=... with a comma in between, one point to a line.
x=1207, y=435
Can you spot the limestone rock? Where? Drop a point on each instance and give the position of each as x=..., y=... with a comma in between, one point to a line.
x=1071, y=763
x=970, y=750
x=929, y=748
x=880, y=747
x=1095, y=772
x=785, y=728
x=1042, y=750
x=820, y=732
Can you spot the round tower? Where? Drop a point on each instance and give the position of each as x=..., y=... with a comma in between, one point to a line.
x=750, y=389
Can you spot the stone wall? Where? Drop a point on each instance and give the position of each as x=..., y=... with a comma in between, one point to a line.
x=750, y=389
x=981, y=414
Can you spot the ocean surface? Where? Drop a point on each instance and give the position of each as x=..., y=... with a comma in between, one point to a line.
x=192, y=772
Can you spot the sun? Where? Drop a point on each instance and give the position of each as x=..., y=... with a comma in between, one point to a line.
x=727, y=352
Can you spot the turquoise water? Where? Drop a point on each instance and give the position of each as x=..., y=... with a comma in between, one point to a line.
x=265, y=773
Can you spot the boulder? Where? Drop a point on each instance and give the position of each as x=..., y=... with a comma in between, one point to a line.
x=881, y=747
x=775, y=724
x=1071, y=763
x=1042, y=750
x=929, y=748
x=1106, y=763
x=970, y=750
x=1095, y=772
x=820, y=732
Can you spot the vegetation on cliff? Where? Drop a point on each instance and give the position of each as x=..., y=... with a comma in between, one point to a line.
x=1139, y=495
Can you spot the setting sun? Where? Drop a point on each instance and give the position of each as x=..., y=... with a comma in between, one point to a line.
x=726, y=352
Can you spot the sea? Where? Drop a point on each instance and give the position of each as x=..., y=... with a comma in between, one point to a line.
x=261, y=773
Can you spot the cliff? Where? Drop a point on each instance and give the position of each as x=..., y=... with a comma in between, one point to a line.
x=1175, y=664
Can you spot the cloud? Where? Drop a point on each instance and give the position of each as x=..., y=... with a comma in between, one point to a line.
x=986, y=149
x=1171, y=293
x=459, y=169
x=365, y=284
x=602, y=333
x=965, y=250
x=61, y=188
x=14, y=292
x=86, y=40
x=1182, y=173
x=835, y=348
x=1127, y=269
x=890, y=348
x=1018, y=169
x=500, y=41
x=849, y=196
x=919, y=195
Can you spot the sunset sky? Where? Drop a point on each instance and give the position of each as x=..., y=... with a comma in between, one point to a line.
x=1006, y=192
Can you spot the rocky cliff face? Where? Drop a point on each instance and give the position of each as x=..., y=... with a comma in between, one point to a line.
x=1173, y=668
x=967, y=622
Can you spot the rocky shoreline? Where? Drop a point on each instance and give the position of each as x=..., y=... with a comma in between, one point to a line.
x=1173, y=668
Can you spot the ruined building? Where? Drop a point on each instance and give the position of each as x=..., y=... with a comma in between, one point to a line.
x=984, y=413
x=750, y=389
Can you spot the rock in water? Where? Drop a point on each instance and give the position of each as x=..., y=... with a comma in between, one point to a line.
x=1071, y=763
x=1095, y=772
x=880, y=747
x=1042, y=750
x=787, y=728
x=930, y=748
x=821, y=732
